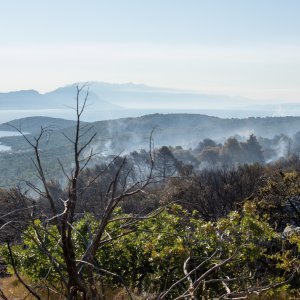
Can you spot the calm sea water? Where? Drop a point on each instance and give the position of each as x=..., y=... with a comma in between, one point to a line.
x=6, y=133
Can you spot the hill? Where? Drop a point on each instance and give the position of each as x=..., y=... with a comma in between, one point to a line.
x=170, y=129
x=125, y=135
x=34, y=124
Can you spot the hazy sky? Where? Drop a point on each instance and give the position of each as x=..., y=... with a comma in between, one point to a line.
x=234, y=47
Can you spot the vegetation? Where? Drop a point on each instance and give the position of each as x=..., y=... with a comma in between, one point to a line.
x=214, y=221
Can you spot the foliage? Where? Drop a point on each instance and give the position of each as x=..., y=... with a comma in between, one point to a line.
x=279, y=199
x=149, y=255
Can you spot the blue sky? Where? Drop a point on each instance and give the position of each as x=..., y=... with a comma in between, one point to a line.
x=236, y=47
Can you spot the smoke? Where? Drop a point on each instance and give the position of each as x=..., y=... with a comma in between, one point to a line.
x=281, y=148
x=277, y=148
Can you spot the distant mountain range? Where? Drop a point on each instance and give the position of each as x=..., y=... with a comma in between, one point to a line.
x=112, y=101
x=106, y=96
x=58, y=99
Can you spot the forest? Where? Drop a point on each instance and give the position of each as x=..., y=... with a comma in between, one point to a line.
x=218, y=220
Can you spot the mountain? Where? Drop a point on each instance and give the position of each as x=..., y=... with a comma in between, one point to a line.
x=65, y=96
x=111, y=101
x=60, y=98
x=21, y=100
x=107, y=96
x=140, y=96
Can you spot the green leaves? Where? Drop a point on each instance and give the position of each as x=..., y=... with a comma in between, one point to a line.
x=149, y=254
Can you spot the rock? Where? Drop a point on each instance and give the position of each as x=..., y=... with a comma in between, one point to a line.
x=289, y=230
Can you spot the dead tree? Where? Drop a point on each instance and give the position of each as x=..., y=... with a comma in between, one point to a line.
x=77, y=274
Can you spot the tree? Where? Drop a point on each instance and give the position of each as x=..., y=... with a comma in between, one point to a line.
x=78, y=272
x=211, y=155
x=165, y=162
x=213, y=193
x=232, y=152
x=205, y=143
x=252, y=151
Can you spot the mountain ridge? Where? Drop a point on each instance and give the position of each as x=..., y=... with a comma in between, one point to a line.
x=114, y=100
x=117, y=96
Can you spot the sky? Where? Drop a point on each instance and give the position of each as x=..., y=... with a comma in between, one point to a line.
x=230, y=47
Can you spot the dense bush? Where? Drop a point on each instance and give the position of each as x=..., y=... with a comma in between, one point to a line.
x=149, y=256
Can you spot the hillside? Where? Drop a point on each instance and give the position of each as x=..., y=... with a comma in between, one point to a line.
x=34, y=124
x=126, y=135
x=170, y=129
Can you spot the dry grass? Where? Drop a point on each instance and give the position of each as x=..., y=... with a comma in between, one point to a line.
x=14, y=290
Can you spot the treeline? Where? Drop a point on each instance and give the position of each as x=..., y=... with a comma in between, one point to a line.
x=233, y=152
